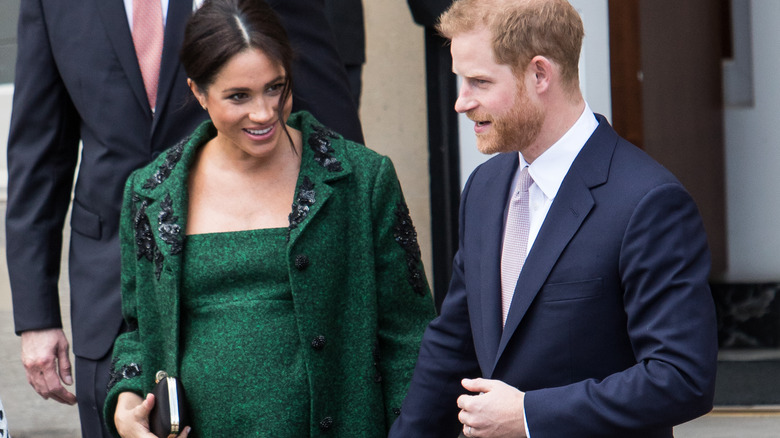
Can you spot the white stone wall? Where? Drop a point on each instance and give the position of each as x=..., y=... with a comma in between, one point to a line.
x=393, y=106
x=752, y=135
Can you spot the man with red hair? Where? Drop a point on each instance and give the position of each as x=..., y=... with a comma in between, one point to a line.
x=579, y=304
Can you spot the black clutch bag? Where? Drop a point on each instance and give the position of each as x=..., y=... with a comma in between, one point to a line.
x=169, y=415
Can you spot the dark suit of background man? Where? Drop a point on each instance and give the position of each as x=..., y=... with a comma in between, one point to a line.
x=611, y=329
x=348, y=24
x=78, y=78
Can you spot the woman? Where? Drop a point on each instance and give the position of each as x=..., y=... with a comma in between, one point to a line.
x=279, y=322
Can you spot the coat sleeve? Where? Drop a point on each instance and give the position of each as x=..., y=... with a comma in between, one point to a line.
x=405, y=304
x=664, y=267
x=127, y=369
x=446, y=356
x=43, y=145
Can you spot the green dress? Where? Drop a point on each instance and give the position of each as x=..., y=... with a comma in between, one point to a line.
x=251, y=357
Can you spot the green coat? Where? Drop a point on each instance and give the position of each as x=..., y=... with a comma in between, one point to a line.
x=360, y=295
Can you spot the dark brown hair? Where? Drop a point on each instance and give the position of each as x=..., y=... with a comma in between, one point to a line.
x=220, y=29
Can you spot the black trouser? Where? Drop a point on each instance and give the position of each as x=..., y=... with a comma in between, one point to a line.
x=91, y=382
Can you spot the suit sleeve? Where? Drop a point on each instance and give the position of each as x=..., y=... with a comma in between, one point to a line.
x=405, y=304
x=664, y=268
x=446, y=356
x=426, y=12
x=127, y=367
x=320, y=83
x=42, y=153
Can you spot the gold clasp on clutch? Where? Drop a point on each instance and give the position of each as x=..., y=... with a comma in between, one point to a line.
x=160, y=375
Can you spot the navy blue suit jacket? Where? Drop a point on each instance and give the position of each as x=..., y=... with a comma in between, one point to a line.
x=77, y=79
x=611, y=332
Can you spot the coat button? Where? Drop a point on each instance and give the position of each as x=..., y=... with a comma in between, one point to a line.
x=301, y=262
x=318, y=343
x=326, y=424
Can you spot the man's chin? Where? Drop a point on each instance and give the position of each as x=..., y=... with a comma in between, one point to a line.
x=490, y=146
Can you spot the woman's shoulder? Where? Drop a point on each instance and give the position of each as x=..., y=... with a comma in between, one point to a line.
x=325, y=143
x=162, y=166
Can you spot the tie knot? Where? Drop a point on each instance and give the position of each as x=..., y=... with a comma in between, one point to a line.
x=524, y=182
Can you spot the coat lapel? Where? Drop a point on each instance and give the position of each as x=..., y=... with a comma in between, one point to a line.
x=118, y=31
x=320, y=166
x=571, y=206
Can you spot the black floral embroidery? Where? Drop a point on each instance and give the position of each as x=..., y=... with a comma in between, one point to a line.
x=170, y=231
x=300, y=208
x=319, y=141
x=125, y=372
x=377, y=357
x=164, y=171
x=406, y=236
x=144, y=239
x=326, y=424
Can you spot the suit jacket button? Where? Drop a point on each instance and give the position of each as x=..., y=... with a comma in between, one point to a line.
x=301, y=262
x=326, y=424
x=318, y=343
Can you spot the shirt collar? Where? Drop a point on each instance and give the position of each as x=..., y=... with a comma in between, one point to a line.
x=549, y=169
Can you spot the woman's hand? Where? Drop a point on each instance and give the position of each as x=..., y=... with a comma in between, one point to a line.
x=132, y=416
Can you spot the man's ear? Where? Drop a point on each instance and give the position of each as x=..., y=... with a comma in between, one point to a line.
x=543, y=70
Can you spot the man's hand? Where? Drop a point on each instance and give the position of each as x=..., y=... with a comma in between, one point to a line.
x=497, y=412
x=45, y=359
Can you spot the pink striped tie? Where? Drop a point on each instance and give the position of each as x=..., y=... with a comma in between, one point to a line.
x=148, y=42
x=515, y=245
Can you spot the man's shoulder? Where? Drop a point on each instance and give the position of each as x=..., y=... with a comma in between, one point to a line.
x=636, y=164
x=620, y=160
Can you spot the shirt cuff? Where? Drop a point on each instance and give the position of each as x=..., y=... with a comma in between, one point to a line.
x=525, y=423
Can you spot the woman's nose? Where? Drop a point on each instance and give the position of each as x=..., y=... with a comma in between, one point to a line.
x=262, y=111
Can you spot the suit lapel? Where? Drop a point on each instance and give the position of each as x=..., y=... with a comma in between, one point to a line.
x=571, y=206
x=567, y=213
x=114, y=17
x=178, y=13
x=492, y=198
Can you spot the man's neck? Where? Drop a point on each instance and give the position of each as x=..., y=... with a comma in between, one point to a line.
x=557, y=122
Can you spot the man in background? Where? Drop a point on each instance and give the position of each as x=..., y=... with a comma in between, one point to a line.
x=346, y=20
